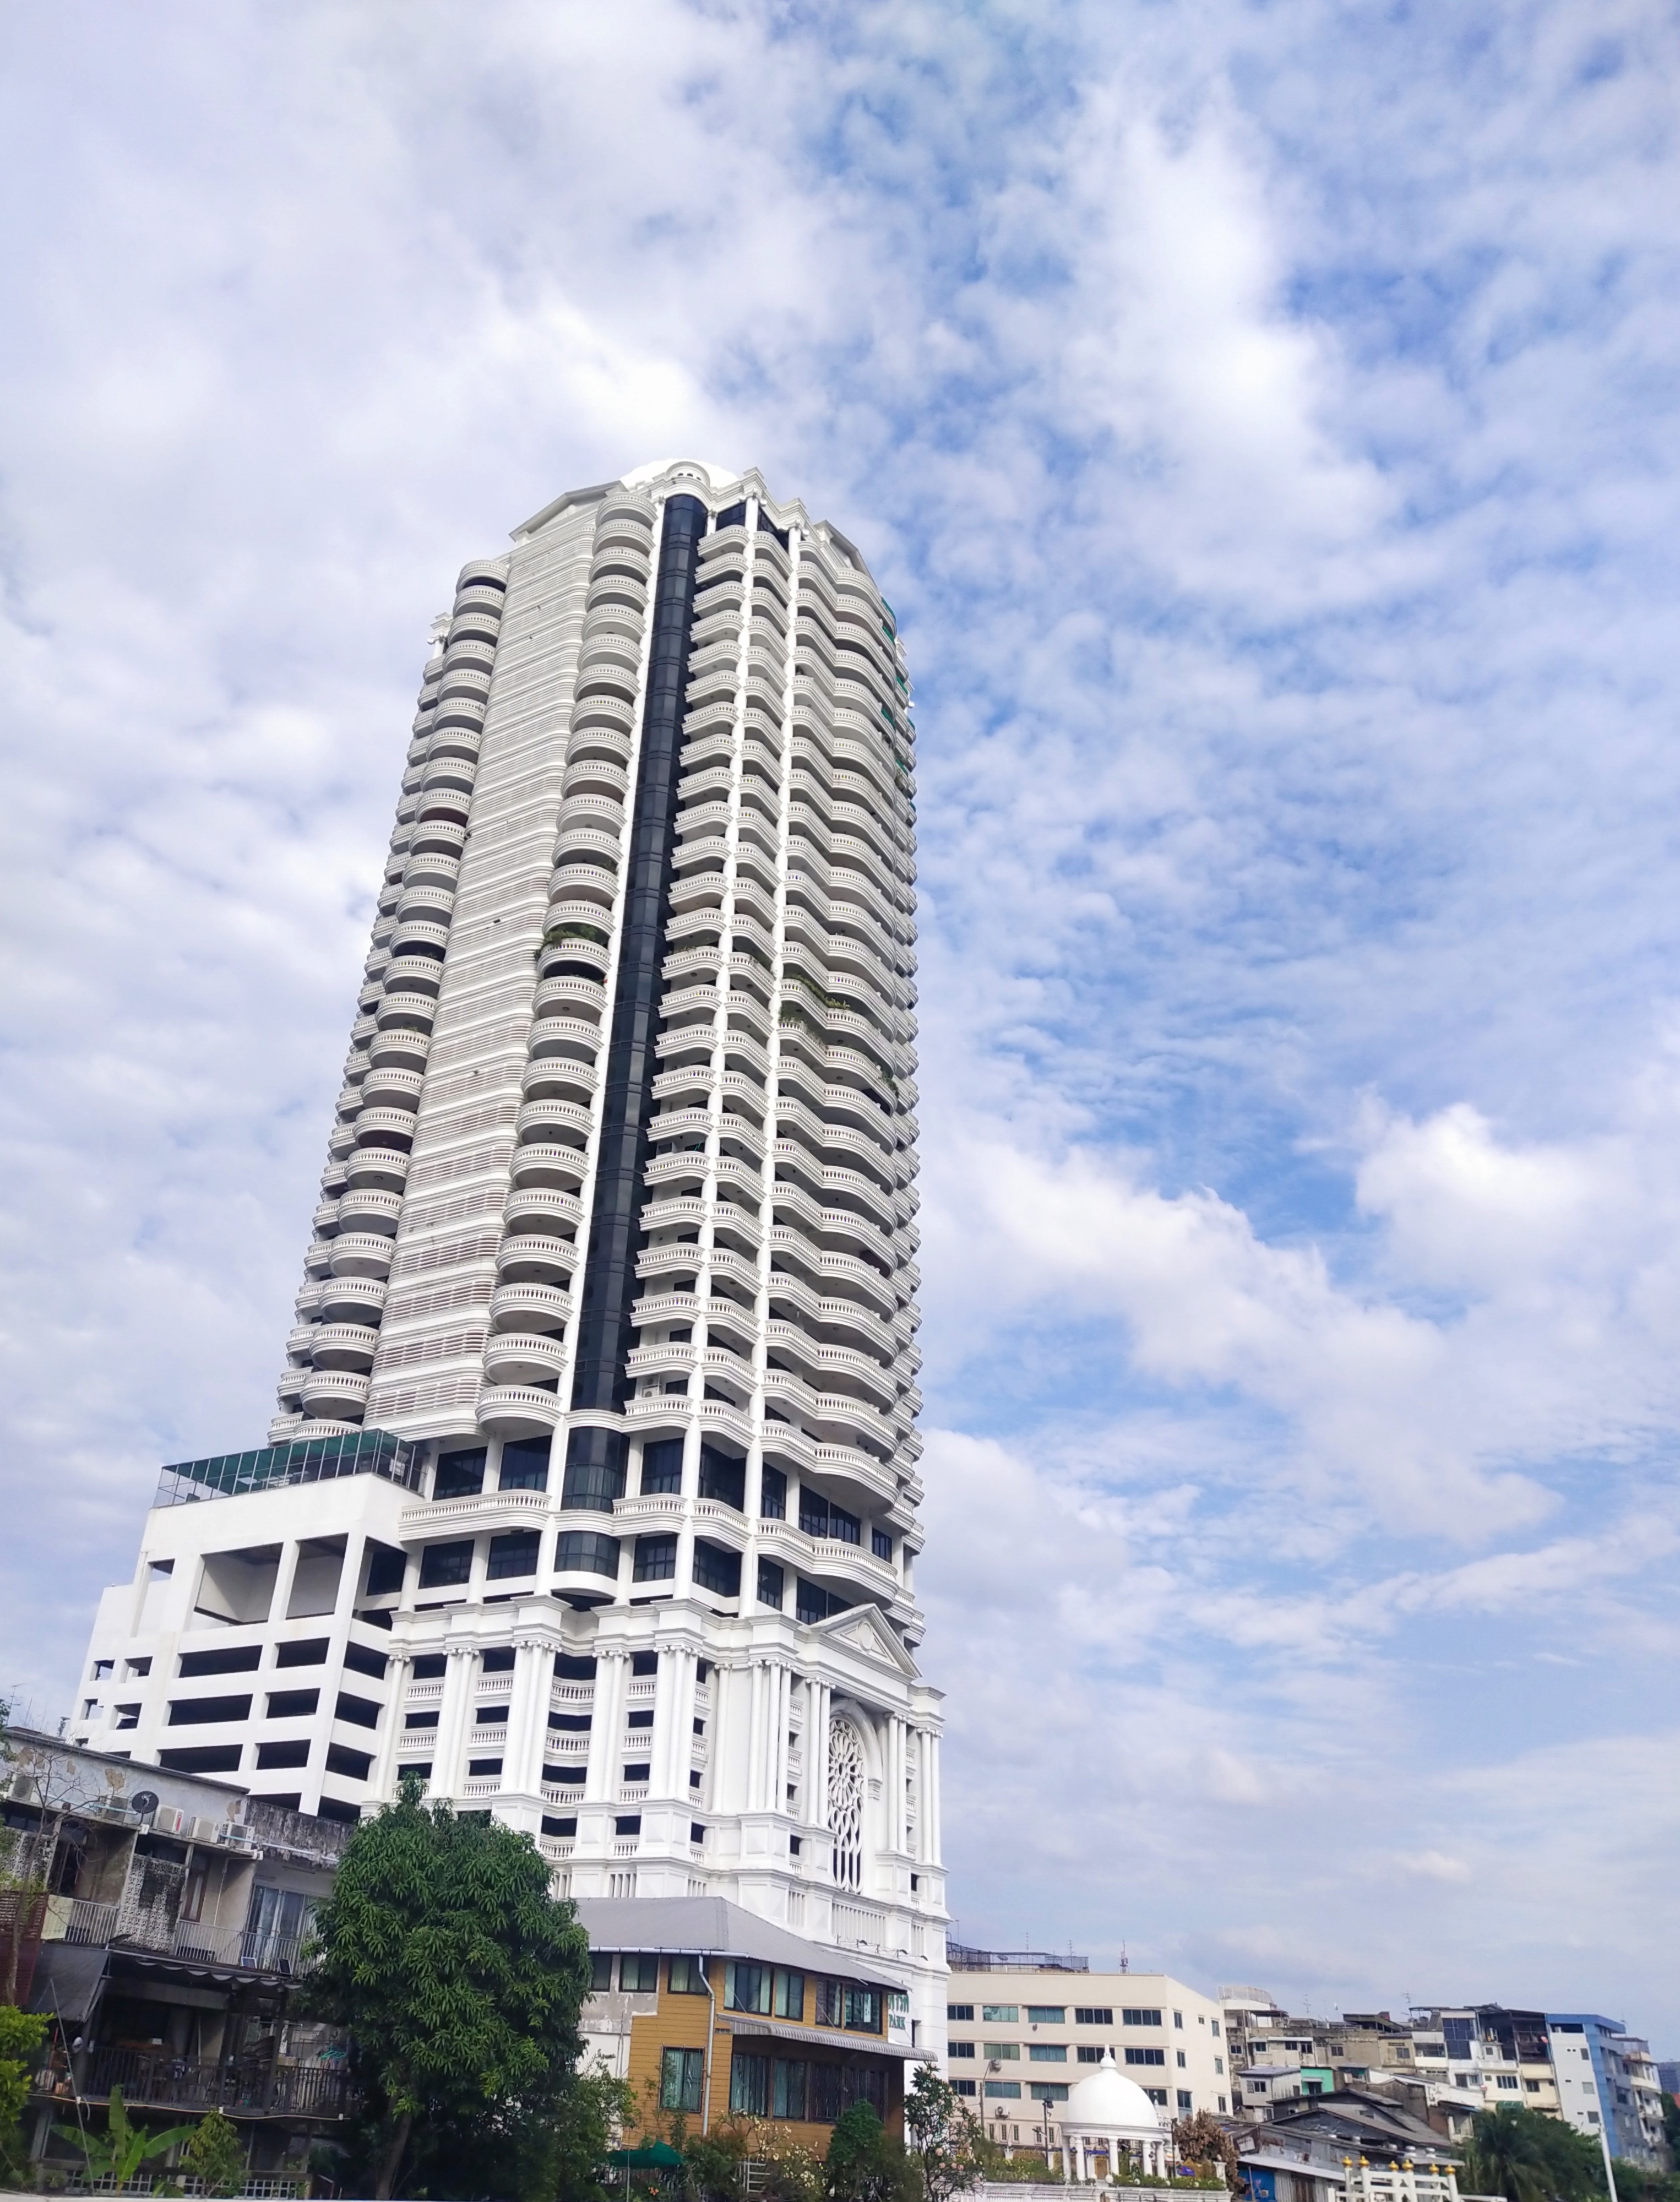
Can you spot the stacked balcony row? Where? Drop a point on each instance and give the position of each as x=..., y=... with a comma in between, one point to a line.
x=330, y=1351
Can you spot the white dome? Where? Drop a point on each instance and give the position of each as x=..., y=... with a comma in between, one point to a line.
x=1108, y=2102
x=716, y=477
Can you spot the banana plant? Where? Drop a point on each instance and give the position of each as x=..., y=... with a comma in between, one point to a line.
x=118, y=2153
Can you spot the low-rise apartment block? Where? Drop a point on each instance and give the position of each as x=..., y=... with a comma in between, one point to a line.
x=1024, y=2027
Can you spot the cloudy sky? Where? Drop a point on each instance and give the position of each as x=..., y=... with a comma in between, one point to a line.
x=1262, y=419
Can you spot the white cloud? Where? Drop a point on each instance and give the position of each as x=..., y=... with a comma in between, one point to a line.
x=1262, y=423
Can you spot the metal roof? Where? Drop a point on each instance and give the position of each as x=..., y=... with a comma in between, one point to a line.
x=706, y=1925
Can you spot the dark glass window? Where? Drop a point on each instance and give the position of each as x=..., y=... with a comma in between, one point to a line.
x=359, y=1712
x=1145, y=2056
x=863, y=2009
x=569, y=1723
x=723, y=1477
x=822, y=2094
x=682, y=2075
x=627, y=1823
x=600, y=1971
x=642, y=1770
x=360, y=1659
x=429, y=1667
x=831, y=2003
x=643, y=1662
x=772, y=1584
x=1094, y=2014
x=442, y=1565
x=295, y=1753
x=773, y=1494
x=235, y=1659
x=688, y=1976
x=288, y=1704
x=586, y=1551
x=483, y=1769
x=748, y=1988
x=815, y=1603
x=750, y=2085
x=880, y=1544
x=642, y=1718
x=421, y=1719
x=460, y=1474
x=340, y=1759
x=524, y=1465
x=564, y=1777
x=499, y=1659
x=716, y=1571
x=564, y=1828
x=821, y=1517
x=662, y=1466
x=568, y=1669
x=637, y=1972
x=734, y=516
x=961, y=2013
x=1146, y=2018
x=202, y=1758
x=787, y=2087
x=656, y=1559
x=419, y=1769
x=514, y=1554
x=190, y=1713
x=385, y=1565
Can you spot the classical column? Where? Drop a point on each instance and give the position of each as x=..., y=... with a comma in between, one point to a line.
x=755, y=1739
x=822, y=1701
x=447, y=1771
x=612, y=1674
x=521, y=1767
x=385, y=1759
x=673, y=1724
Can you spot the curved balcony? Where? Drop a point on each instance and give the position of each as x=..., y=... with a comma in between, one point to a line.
x=669, y=1307
x=558, y=1078
x=518, y=1410
x=326, y=1219
x=444, y=771
x=607, y=674
x=348, y=1299
x=390, y=1123
x=603, y=710
x=289, y=1388
x=447, y=804
x=491, y=1510
x=551, y=1121
x=429, y=867
x=613, y=623
x=434, y=904
x=392, y=1087
x=406, y=1010
x=534, y=1259
x=590, y=806
x=361, y=1254
x=570, y=941
x=337, y=1392
x=574, y=1038
x=343, y=1345
x=563, y=1167
x=369, y=1208
x=553, y=994
x=411, y=974
x=399, y=1048
x=438, y=836
x=544, y=1307
x=522, y=1356
x=623, y=542
x=383, y=1169
x=416, y=935
x=597, y=774
x=541, y=1210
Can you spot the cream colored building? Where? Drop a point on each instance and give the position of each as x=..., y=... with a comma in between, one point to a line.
x=1023, y=2028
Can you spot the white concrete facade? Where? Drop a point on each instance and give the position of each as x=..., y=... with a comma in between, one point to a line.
x=1021, y=2037
x=616, y=1244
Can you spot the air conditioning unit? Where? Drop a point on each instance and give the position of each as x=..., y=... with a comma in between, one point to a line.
x=206, y=1831
x=166, y=1821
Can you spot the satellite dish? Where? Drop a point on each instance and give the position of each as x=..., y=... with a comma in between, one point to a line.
x=144, y=1801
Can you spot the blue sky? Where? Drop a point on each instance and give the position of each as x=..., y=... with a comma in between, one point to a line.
x=1262, y=419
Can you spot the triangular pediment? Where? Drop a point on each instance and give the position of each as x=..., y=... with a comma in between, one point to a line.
x=861, y=1628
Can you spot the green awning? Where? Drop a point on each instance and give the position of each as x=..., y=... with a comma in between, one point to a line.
x=660, y=2158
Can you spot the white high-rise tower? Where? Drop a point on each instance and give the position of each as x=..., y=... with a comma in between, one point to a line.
x=592, y=1494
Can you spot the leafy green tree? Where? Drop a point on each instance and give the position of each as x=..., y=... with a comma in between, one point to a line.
x=865, y=2164
x=461, y=1980
x=945, y=2139
x=216, y=2155
x=1527, y=2157
x=21, y=2037
x=118, y=2153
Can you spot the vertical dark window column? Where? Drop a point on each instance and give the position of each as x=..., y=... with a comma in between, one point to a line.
x=595, y=1457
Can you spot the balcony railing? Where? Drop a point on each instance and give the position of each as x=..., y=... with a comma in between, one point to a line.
x=312, y=2091
x=251, y=1949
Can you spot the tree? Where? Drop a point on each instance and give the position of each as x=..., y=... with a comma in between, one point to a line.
x=863, y=2162
x=460, y=1979
x=118, y=2153
x=21, y=2036
x=1527, y=2157
x=216, y=2155
x=945, y=2138
x=1203, y=2143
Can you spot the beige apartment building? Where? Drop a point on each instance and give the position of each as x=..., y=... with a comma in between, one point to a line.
x=1024, y=2028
